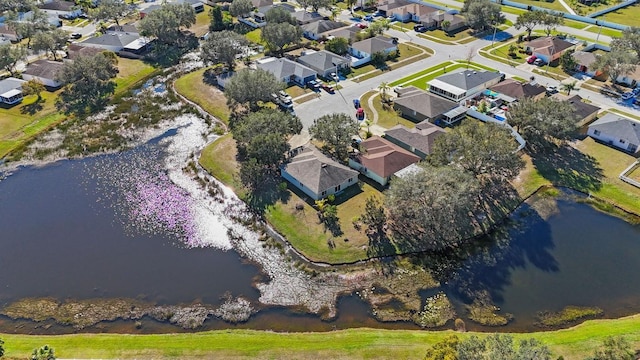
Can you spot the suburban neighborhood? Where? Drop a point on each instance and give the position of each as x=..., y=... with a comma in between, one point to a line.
x=380, y=166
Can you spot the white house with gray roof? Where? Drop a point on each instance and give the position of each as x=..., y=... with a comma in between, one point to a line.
x=362, y=50
x=317, y=175
x=287, y=71
x=11, y=90
x=618, y=131
x=44, y=71
x=458, y=86
x=324, y=62
x=316, y=30
x=117, y=41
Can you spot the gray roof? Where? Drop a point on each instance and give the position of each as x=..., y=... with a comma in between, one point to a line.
x=618, y=127
x=374, y=44
x=112, y=38
x=349, y=32
x=424, y=103
x=517, y=90
x=58, y=5
x=285, y=68
x=9, y=84
x=128, y=28
x=304, y=17
x=582, y=109
x=584, y=58
x=44, y=69
x=468, y=79
x=422, y=137
x=322, y=26
x=322, y=60
x=316, y=171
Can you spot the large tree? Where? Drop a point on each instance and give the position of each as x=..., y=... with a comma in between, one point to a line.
x=492, y=347
x=223, y=47
x=318, y=4
x=616, y=63
x=217, y=19
x=336, y=131
x=543, y=120
x=433, y=209
x=278, y=14
x=614, y=348
x=51, y=41
x=43, y=353
x=337, y=45
x=110, y=10
x=551, y=21
x=277, y=36
x=630, y=41
x=482, y=149
x=239, y=8
x=88, y=81
x=10, y=55
x=249, y=87
x=15, y=5
x=166, y=23
x=27, y=27
x=482, y=14
x=529, y=20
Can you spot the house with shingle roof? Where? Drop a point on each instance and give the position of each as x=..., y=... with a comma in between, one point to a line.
x=362, y=50
x=419, y=105
x=305, y=17
x=318, y=29
x=618, y=131
x=74, y=51
x=380, y=159
x=324, y=62
x=517, y=90
x=549, y=48
x=317, y=175
x=44, y=71
x=350, y=33
x=460, y=85
x=419, y=139
x=585, y=61
x=287, y=71
x=117, y=41
x=585, y=113
x=7, y=33
x=11, y=90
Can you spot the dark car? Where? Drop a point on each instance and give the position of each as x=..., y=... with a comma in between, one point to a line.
x=356, y=103
x=328, y=88
x=419, y=28
x=75, y=36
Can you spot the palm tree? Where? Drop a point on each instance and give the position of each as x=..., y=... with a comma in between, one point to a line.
x=512, y=50
x=43, y=353
x=383, y=87
x=445, y=25
x=568, y=87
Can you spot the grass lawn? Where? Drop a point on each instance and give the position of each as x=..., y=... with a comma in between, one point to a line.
x=131, y=71
x=605, y=31
x=294, y=91
x=388, y=118
x=219, y=158
x=209, y=97
x=408, y=55
x=420, y=81
x=420, y=73
x=555, y=4
x=626, y=16
x=575, y=24
x=574, y=343
x=255, y=36
x=203, y=19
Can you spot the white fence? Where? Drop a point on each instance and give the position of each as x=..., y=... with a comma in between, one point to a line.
x=623, y=175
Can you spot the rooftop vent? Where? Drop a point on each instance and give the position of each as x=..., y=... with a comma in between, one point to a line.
x=324, y=165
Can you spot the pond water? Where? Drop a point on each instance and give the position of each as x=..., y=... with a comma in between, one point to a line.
x=73, y=229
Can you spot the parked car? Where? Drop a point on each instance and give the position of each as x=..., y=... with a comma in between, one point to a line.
x=531, y=59
x=369, y=18
x=75, y=36
x=552, y=90
x=362, y=26
x=313, y=84
x=419, y=28
x=356, y=103
x=284, y=96
x=627, y=95
x=539, y=62
x=328, y=88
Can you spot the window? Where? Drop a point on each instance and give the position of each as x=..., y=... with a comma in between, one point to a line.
x=596, y=132
x=622, y=141
x=337, y=188
x=301, y=184
x=324, y=193
x=350, y=179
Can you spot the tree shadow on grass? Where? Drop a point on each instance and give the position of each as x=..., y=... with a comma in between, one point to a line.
x=568, y=167
x=31, y=109
x=273, y=189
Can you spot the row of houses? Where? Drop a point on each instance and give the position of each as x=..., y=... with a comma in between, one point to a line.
x=428, y=16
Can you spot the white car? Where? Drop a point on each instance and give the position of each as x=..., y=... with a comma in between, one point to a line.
x=284, y=96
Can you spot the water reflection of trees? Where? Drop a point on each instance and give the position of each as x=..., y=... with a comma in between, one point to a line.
x=486, y=263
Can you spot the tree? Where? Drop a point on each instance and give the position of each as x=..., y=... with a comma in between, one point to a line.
x=550, y=21
x=1, y=348
x=485, y=150
x=240, y=8
x=543, y=120
x=378, y=27
x=568, y=87
x=28, y=27
x=217, y=20
x=433, y=209
x=351, y=4
x=10, y=55
x=33, y=87
x=318, y=4
x=110, y=10
x=629, y=41
x=277, y=36
x=482, y=14
x=512, y=50
x=165, y=23
x=248, y=87
x=445, y=25
x=532, y=349
x=383, y=87
x=445, y=349
x=15, y=5
x=614, y=348
x=500, y=347
x=277, y=15
x=616, y=63
x=567, y=61
x=43, y=353
x=88, y=82
x=379, y=59
x=223, y=47
x=374, y=217
x=304, y=4
x=529, y=20
x=337, y=45
x=252, y=174
x=85, y=5
x=492, y=347
x=335, y=130
x=51, y=41
x=264, y=122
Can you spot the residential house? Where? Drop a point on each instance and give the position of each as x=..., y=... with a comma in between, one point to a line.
x=549, y=48
x=411, y=12
x=517, y=90
x=74, y=51
x=350, y=33
x=287, y=71
x=419, y=105
x=318, y=29
x=117, y=41
x=618, y=131
x=324, y=62
x=148, y=10
x=11, y=90
x=62, y=9
x=261, y=3
x=317, y=175
x=585, y=113
x=630, y=79
x=585, y=61
x=44, y=71
x=362, y=50
x=457, y=86
x=9, y=34
x=197, y=5
x=386, y=7
x=380, y=159
x=127, y=28
x=305, y=17
x=437, y=20
x=419, y=140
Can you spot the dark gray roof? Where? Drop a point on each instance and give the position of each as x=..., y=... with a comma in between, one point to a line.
x=374, y=44
x=74, y=51
x=304, y=17
x=582, y=109
x=58, y=5
x=517, y=90
x=468, y=79
x=9, y=84
x=322, y=60
x=128, y=28
x=284, y=68
x=44, y=69
x=584, y=58
x=349, y=32
x=424, y=103
x=322, y=26
x=112, y=38
x=422, y=137
x=618, y=127
x=316, y=171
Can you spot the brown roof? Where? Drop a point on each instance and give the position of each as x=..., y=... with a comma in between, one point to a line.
x=549, y=45
x=74, y=51
x=582, y=109
x=384, y=158
x=517, y=90
x=584, y=58
x=44, y=69
x=422, y=137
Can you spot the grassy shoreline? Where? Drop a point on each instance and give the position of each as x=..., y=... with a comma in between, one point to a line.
x=573, y=343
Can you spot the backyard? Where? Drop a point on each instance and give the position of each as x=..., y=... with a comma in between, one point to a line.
x=208, y=96
x=625, y=16
x=408, y=54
